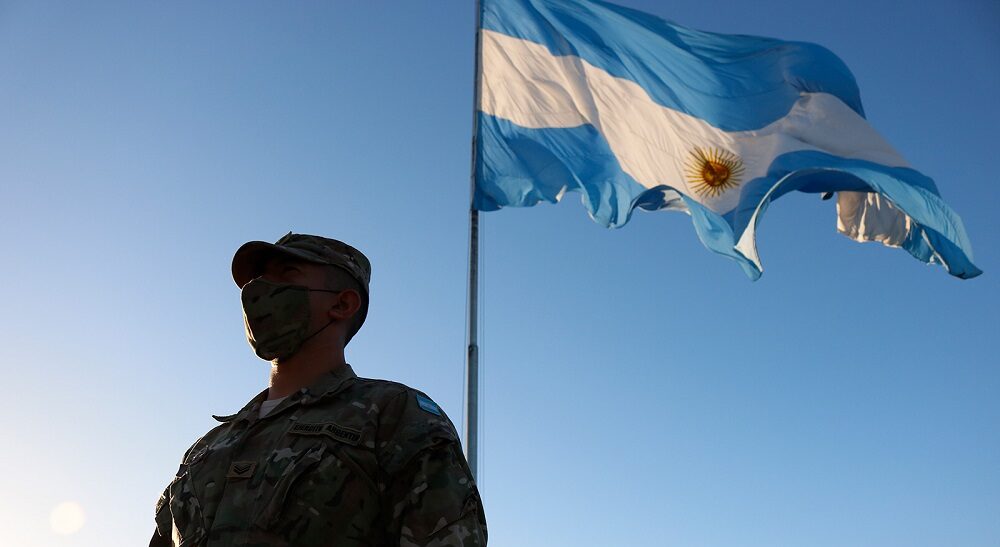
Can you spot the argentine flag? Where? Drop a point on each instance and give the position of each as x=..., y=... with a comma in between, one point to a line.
x=635, y=112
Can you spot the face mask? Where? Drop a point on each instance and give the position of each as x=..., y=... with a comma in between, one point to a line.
x=276, y=316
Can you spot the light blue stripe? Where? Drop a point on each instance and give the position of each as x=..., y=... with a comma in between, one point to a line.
x=939, y=229
x=733, y=82
x=517, y=166
x=521, y=167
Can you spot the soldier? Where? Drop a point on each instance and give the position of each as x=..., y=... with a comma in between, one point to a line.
x=320, y=457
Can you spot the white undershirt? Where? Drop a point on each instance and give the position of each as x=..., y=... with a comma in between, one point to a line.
x=267, y=406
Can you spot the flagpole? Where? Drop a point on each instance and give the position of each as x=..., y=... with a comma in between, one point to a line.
x=472, y=354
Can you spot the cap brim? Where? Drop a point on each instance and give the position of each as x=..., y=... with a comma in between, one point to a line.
x=251, y=257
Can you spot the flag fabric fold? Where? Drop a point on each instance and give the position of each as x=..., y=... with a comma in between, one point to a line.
x=633, y=112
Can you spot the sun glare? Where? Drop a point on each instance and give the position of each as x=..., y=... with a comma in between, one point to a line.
x=67, y=518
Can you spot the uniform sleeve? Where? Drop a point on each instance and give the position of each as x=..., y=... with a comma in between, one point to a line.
x=164, y=524
x=161, y=534
x=430, y=497
x=159, y=541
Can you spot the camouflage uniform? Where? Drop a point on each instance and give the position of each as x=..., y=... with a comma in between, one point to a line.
x=346, y=462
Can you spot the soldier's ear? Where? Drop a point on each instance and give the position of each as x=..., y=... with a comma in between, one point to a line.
x=345, y=305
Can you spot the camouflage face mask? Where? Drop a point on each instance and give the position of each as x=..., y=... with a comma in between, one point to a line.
x=276, y=316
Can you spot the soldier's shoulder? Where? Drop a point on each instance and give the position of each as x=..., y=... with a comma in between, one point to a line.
x=412, y=399
x=381, y=389
x=203, y=442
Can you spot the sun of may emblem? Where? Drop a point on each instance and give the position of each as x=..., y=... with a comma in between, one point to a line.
x=713, y=171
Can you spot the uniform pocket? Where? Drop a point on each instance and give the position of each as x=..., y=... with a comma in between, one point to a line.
x=285, y=478
x=317, y=494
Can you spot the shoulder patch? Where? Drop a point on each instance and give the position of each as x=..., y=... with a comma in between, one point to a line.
x=428, y=405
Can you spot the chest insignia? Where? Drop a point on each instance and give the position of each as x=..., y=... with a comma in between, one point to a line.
x=337, y=432
x=241, y=470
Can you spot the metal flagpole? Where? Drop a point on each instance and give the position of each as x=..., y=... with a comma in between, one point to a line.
x=472, y=355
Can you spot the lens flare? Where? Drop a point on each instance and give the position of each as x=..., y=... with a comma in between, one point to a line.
x=67, y=518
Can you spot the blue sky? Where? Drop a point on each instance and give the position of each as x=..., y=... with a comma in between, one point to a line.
x=639, y=389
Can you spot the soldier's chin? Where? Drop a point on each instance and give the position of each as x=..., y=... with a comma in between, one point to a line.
x=275, y=346
x=283, y=359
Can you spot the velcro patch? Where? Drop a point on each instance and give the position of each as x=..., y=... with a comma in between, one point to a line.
x=428, y=405
x=241, y=470
x=338, y=432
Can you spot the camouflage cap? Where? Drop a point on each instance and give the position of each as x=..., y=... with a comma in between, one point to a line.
x=250, y=258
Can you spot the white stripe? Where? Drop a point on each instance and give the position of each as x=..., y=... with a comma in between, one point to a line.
x=866, y=216
x=527, y=85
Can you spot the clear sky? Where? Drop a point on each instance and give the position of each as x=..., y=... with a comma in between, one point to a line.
x=639, y=389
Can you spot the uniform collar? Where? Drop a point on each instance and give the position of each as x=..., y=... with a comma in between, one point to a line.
x=326, y=385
